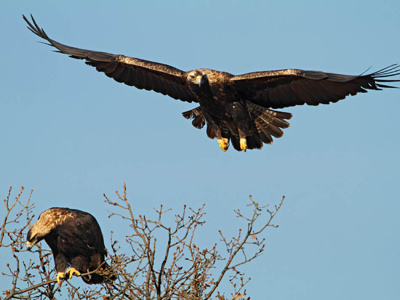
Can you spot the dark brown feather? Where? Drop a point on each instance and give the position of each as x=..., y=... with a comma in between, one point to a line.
x=136, y=72
x=197, y=115
x=268, y=122
x=283, y=88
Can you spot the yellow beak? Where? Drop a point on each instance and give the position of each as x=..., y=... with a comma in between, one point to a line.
x=197, y=80
x=29, y=245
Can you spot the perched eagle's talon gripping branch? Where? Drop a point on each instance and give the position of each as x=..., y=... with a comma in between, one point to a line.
x=72, y=271
x=60, y=276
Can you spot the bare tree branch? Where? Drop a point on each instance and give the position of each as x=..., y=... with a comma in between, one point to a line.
x=178, y=268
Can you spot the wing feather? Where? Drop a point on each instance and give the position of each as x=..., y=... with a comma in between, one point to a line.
x=283, y=88
x=142, y=74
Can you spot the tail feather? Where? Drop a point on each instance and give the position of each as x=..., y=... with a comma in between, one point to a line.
x=236, y=142
x=269, y=118
x=273, y=130
x=254, y=142
x=268, y=122
x=264, y=133
x=266, y=138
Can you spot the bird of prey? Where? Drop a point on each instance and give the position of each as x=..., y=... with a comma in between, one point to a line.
x=76, y=240
x=236, y=108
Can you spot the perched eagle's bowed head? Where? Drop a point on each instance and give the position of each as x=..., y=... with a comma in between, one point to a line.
x=76, y=240
x=237, y=109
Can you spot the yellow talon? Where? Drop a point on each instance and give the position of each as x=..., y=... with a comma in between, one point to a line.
x=223, y=144
x=60, y=275
x=243, y=144
x=72, y=271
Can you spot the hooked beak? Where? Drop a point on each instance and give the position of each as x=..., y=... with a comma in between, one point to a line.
x=198, y=80
x=29, y=245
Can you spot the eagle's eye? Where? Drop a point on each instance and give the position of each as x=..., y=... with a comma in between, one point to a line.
x=195, y=78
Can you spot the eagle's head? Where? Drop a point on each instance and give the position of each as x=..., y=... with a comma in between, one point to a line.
x=47, y=221
x=32, y=239
x=34, y=236
x=198, y=77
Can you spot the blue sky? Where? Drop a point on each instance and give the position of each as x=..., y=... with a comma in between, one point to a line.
x=72, y=134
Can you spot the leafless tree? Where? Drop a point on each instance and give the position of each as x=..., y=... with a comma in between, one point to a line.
x=176, y=268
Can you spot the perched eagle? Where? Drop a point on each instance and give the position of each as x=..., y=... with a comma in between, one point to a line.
x=76, y=240
x=236, y=109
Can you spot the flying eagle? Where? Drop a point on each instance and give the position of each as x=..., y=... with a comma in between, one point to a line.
x=236, y=109
x=76, y=240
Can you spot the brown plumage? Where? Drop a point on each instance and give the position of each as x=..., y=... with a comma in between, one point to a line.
x=76, y=240
x=235, y=108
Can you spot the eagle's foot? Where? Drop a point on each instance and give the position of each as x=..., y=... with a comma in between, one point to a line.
x=243, y=144
x=72, y=271
x=223, y=144
x=60, y=276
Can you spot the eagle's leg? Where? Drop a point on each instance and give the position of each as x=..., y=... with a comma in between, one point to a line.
x=223, y=143
x=72, y=271
x=61, y=263
x=243, y=144
x=60, y=275
x=243, y=140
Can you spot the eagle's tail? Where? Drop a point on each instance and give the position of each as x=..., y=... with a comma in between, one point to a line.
x=104, y=275
x=269, y=123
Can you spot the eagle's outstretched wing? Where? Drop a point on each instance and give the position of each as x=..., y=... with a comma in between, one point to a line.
x=136, y=72
x=283, y=88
